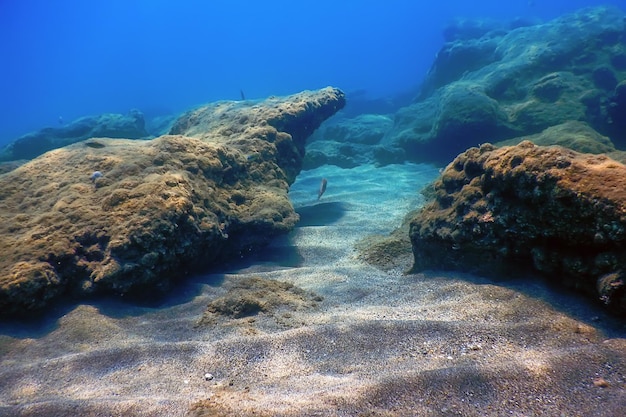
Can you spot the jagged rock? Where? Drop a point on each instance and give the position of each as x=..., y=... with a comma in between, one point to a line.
x=507, y=84
x=501, y=210
x=160, y=207
x=31, y=145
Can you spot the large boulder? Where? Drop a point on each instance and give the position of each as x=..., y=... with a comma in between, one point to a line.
x=31, y=145
x=499, y=211
x=214, y=189
x=500, y=84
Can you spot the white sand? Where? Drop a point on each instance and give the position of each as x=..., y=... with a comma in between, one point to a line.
x=379, y=344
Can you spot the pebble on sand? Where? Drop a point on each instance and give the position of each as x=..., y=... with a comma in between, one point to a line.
x=601, y=382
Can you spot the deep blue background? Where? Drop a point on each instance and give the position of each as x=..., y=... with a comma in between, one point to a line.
x=72, y=58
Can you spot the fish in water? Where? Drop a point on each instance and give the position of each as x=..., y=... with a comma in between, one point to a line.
x=243, y=96
x=322, y=188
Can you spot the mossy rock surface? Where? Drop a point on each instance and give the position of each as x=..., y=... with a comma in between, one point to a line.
x=161, y=208
x=501, y=211
x=250, y=296
x=517, y=81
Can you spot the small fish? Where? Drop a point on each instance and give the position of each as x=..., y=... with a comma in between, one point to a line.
x=243, y=96
x=322, y=188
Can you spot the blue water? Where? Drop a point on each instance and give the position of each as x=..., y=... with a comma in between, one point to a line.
x=70, y=58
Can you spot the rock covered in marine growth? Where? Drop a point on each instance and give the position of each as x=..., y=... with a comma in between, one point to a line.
x=213, y=189
x=501, y=210
x=489, y=84
x=350, y=142
x=31, y=145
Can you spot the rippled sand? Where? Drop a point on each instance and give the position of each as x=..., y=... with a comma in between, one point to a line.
x=361, y=343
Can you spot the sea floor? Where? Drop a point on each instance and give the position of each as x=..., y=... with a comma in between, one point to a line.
x=332, y=336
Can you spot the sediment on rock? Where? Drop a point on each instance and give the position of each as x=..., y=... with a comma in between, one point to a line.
x=156, y=209
x=511, y=82
x=550, y=209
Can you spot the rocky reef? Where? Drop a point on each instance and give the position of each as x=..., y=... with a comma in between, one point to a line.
x=132, y=216
x=526, y=207
x=31, y=145
x=349, y=142
x=489, y=84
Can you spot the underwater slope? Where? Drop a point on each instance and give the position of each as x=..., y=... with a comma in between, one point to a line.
x=370, y=342
x=122, y=216
x=497, y=84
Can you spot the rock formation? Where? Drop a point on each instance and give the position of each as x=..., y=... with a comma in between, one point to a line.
x=31, y=145
x=215, y=188
x=349, y=142
x=488, y=84
x=558, y=212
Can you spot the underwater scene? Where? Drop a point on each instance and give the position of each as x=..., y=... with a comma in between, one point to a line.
x=313, y=208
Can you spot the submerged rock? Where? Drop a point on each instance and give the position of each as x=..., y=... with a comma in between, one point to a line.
x=578, y=136
x=549, y=209
x=31, y=145
x=215, y=189
x=250, y=296
x=349, y=142
x=499, y=84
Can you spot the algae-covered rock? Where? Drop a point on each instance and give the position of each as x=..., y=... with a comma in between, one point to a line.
x=558, y=212
x=31, y=145
x=157, y=209
x=349, y=142
x=495, y=84
x=578, y=136
x=366, y=129
x=251, y=296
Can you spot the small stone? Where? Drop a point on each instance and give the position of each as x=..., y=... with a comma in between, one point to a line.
x=600, y=382
x=94, y=177
x=208, y=376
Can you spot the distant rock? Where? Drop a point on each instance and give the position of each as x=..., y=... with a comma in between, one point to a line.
x=488, y=84
x=215, y=188
x=366, y=129
x=362, y=102
x=8, y=166
x=160, y=125
x=350, y=142
x=500, y=211
x=31, y=145
x=578, y=136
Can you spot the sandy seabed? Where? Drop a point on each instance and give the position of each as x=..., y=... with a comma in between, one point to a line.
x=347, y=339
